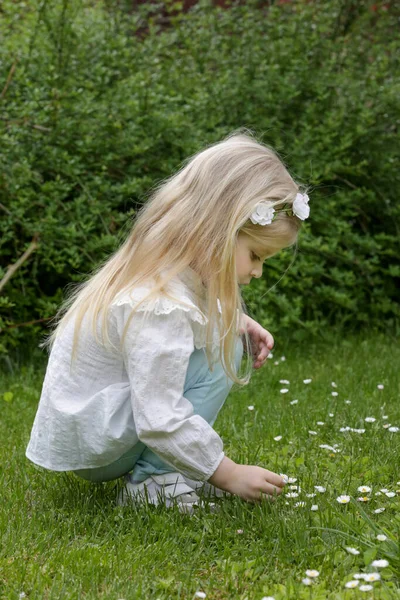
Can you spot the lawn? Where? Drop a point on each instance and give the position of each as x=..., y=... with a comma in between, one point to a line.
x=64, y=538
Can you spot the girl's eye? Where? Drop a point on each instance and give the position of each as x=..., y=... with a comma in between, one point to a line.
x=255, y=257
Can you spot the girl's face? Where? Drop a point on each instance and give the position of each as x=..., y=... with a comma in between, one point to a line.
x=249, y=261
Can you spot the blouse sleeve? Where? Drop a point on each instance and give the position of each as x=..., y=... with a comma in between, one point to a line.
x=156, y=355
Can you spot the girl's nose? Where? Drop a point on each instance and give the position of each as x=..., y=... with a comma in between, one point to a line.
x=257, y=273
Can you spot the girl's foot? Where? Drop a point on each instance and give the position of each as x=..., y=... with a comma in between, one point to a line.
x=169, y=489
x=205, y=489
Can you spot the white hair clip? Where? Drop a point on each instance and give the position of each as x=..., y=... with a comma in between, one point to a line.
x=264, y=212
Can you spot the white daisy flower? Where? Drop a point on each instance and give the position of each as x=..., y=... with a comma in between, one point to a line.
x=284, y=477
x=352, y=584
x=270, y=355
x=381, y=537
x=320, y=488
x=347, y=401
x=380, y=386
x=385, y=417
x=394, y=429
x=307, y=380
x=312, y=573
x=351, y=550
x=284, y=381
x=284, y=391
x=320, y=423
x=343, y=499
x=365, y=587
x=377, y=511
x=390, y=494
x=333, y=384
x=386, y=425
x=370, y=419
x=311, y=495
x=295, y=487
x=276, y=363
x=363, y=499
x=306, y=581
x=364, y=488
x=372, y=576
x=299, y=504
x=239, y=531
x=267, y=598
x=380, y=564
x=292, y=495
x=283, y=358
x=331, y=414
x=251, y=407
x=278, y=438
x=314, y=507
x=200, y=595
x=359, y=576
x=344, y=429
x=359, y=430
x=294, y=402
x=312, y=432
x=292, y=479
x=384, y=490
x=334, y=394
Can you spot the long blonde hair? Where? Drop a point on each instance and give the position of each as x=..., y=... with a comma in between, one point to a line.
x=192, y=219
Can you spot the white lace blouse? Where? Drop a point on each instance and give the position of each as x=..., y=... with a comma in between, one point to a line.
x=91, y=415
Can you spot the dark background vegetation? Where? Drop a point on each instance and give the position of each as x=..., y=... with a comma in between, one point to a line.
x=99, y=101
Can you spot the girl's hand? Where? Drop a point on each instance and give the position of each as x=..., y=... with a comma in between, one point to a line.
x=262, y=341
x=251, y=483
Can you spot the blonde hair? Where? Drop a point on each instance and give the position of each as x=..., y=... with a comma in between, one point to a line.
x=193, y=219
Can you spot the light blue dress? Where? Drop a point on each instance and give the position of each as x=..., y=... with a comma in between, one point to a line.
x=207, y=392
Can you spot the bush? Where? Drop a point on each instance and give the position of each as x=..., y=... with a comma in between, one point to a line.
x=95, y=112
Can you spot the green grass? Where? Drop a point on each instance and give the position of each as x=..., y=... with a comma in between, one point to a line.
x=65, y=538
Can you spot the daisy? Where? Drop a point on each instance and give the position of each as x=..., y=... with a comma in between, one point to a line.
x=312, y=432
x=365, y=587
x=380, y=564
x=380, y=386
x=343, y=499
x=307, y=380
x=335, y=394
x=278, y=438
x=321, y=489
x=320, y=423
x=251, y=407
x=292, y=479
x=359, y=430
x=284, y=477
x=311, y=495
x=306, y=581
x=292, y=495
x=384, y=490
x=314, y=507
x=394, y=429
x=299, y=504
x=283, y=358
x=276, y=363
x=347, y=401
x=386, y=425
x=385, y=417
x=331, y=414
x=370, y=419
x=363, y=499
x=333, y=384
x=359, y=576
x=390, y=494
x=200, y=595
x=267, y=598
x=284, y=391
x=351, y=550
x=371, y=577
x=294, y=402
x=379, y=510
x=239, y=531
x=381, y=537
x=364, y=488
x=284, y=381
x=312, y=573
x=352, y=584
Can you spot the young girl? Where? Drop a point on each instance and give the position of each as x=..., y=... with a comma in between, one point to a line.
x=149, y=347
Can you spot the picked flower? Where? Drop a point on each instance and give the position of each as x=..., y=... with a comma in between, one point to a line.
x=300, y=206
x=263, y=213
x=380, y=564
x=343, y=499
x=351, y=550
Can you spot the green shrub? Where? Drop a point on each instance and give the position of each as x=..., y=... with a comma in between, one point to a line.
x=96, y=112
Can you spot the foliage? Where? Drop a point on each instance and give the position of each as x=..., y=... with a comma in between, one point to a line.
x=100, y=103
